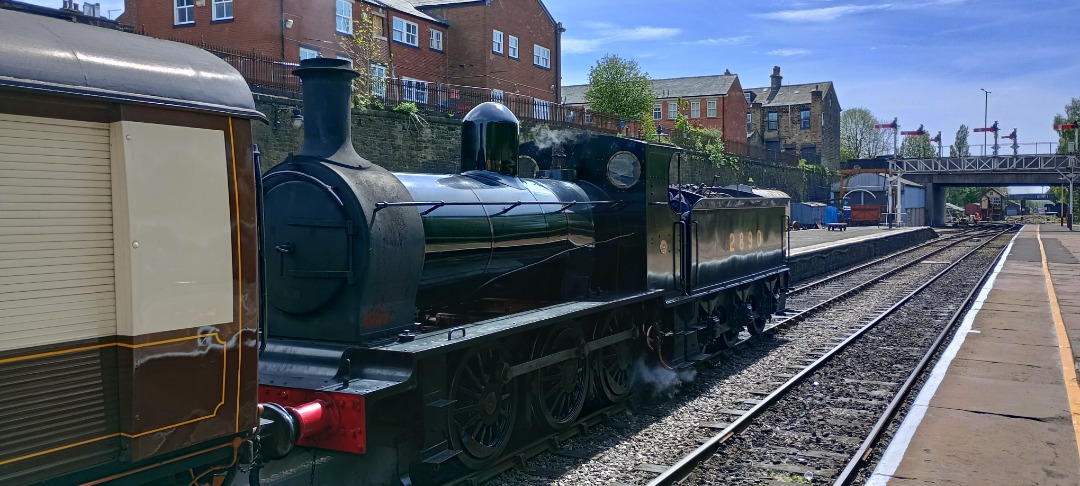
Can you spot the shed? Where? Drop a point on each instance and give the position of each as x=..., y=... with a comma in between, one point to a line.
x=808, y=214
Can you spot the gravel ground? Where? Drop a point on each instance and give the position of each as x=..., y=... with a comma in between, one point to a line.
x=674, y=412
x=813, y=431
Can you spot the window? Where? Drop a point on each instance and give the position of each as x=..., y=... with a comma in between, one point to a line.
x=541, y=109
x=414, y=90
x=222, y=10
x=436, y=40
x=184, y=12
x=496, y=42
x=747, y=95
x=378, y=80
x=657, y=111
x=377, y=27
x=306, y=53
x=406, y=32
x=695, y=109
x=588, y=116
x=749, y=123
x=774, y=121
x=344, y=16
x=672, y=110
x=513, y=47
x=497, y=95
x=711, y=109
x=346, y=58
x=804, y=119
x=541, y=56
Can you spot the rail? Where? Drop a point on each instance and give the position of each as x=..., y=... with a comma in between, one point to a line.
x=688, y=463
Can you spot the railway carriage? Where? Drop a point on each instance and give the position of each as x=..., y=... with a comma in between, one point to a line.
x=128, y=257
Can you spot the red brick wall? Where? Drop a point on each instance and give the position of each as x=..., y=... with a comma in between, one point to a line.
x=420, y=62
x=257, y=25
x=730, y=116
x=471, y=61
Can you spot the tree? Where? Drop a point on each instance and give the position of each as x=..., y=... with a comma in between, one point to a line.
x=1072, y=115
x=917, y=147
x=365, y=50
x=960, y=147
x=618, y=87
x=706, y=140
x=858, y=137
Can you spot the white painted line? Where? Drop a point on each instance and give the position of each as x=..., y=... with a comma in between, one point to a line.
x=890, y=460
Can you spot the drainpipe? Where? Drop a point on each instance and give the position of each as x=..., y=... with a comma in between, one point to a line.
x=281, y=26
x=559, y=29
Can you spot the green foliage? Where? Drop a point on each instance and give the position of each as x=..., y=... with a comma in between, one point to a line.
x=406, y=107
x=706, y=140
x=648, y=127
x=917, y=147
x=960, y=147
x=962, y=196
x=858, y=137
x=364, y=49
x=618, y=87
x=1072, y=115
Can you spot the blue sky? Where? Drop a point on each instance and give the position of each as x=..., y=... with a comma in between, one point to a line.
x=922, y=61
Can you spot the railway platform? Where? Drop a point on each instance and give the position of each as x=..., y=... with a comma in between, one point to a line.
x=1002, y=405
x=816, y=252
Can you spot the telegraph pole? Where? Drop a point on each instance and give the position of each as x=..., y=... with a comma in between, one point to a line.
x=895, y=127
x=986, y=119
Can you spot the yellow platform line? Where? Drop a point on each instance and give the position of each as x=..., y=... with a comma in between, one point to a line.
x=1068, y=367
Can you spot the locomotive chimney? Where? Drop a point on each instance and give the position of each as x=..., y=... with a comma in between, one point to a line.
x=327, y=86
x=489, y=139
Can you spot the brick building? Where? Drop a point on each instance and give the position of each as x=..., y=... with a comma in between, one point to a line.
x=412, y=42
x=795, y=118
x=715, y=101
x=510, y=46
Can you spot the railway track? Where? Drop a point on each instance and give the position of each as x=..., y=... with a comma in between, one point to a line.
x=822, y=423
x=530, y=463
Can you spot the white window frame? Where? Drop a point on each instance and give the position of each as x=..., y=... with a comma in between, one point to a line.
x=770, y=124
x=672, y=110
x=710, y=109
x=541, y=109
x=343, y=17
x=497, y=95
x=226, y=7
x=496, y=41
x=378, y=80
x=749, y=122
x=588, y=116
x=406, y=32
x=695, y=109
x=747, y=95
x=806, y=119
x=541, y=56
x=658, y=111
x=308, y=50
x=345, y=58
x=414, y=90
x=188, y=6
x=436, y=39
x=512, y=47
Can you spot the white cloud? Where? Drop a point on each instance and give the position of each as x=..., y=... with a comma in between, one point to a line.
x=718, y=41
x=829, y=14
x=604, y=33
x=825, y=14
x=788, y=52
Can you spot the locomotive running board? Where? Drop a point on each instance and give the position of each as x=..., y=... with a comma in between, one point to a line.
x=711, y=289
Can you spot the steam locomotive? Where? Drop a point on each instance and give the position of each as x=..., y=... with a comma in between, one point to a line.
x=420, y=320
x=168, y=314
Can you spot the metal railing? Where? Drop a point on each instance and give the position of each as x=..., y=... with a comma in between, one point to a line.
x=1009, y=163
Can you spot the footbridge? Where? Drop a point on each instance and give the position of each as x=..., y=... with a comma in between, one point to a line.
x=939, y=173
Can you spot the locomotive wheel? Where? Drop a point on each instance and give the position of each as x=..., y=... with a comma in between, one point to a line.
x=561, y=388
x=484, y=406
x=729, y=338
x=756, y=323
x=611, y=364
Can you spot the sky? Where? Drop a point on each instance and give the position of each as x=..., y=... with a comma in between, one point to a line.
x=921, y=61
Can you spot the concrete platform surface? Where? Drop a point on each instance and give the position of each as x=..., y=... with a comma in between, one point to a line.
x=812, y=237
x=1000, y=406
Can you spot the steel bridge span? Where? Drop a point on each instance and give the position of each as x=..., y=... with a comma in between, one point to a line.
x=937, y=174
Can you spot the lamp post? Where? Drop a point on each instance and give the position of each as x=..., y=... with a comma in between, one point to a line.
x=986, y=119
